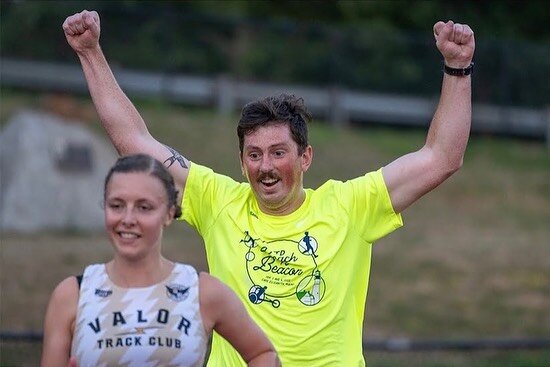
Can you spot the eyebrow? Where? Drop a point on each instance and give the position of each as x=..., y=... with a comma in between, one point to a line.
x=273, y=146
x=139, y=201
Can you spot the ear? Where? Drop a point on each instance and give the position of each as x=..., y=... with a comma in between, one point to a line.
x=307, y=158
x=169, y=216
x=243, y=171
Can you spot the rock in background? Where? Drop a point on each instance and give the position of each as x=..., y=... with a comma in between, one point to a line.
x=51, y=174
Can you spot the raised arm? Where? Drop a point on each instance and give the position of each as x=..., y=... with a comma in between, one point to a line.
x=411, y=176
x=59, y=324
x=224, y=312
x=119, y=117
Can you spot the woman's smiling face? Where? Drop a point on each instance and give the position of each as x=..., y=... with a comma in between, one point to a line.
x=136, y=211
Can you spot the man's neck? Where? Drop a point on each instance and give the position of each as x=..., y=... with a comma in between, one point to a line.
x=286, y=208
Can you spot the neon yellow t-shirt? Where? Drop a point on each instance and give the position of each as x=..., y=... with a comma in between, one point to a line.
x=303, y=277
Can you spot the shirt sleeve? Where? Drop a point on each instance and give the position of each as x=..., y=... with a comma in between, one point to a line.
x=369, y=204
x=206, y=194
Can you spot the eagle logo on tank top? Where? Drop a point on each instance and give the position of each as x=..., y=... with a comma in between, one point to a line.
x=177, y=292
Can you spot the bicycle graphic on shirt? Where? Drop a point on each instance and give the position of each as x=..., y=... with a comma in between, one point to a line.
x=283, y=269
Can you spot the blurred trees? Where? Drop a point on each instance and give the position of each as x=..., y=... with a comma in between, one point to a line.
x=384, y=46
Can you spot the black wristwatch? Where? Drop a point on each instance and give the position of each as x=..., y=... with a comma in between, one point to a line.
x=458, y=72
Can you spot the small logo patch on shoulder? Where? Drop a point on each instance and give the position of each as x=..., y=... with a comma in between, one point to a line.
x=177, y=292
x=103, y=292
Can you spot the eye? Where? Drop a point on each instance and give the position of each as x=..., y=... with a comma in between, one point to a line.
x=144, y=208
x=115, y=206
x=254, y=155
x=279, y=153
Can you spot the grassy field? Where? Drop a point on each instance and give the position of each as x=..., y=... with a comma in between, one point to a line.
x=472, y=261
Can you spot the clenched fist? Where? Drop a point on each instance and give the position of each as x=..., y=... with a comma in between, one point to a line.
x=82, y=30
x=455, y=42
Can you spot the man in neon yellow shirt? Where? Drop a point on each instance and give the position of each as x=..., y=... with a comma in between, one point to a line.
x=298, y=258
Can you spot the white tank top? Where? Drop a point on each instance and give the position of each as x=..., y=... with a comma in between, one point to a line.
x=160, y=325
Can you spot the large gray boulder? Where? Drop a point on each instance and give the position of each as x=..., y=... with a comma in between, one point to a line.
x=51, y=174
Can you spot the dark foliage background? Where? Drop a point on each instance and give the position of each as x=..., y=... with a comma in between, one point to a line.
x=379, y=46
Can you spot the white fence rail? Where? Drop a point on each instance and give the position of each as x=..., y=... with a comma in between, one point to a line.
x=339, y=106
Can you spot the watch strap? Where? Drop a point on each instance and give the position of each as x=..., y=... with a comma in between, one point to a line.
x=458, y=71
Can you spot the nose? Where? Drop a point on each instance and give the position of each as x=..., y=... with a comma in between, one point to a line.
x=128, y=218
x=266, y=165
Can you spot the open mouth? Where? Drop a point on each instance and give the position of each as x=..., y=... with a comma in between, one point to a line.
x=269, y=182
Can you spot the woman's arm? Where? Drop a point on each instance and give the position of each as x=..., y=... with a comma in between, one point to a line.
x=224, y=312
x=59, y=324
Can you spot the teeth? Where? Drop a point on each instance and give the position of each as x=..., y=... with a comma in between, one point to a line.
x=269, y=181
x=128, y=235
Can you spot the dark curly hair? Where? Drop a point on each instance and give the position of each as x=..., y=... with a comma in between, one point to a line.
x=283, y=108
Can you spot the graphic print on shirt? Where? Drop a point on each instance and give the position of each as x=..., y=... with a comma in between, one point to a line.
x=141, y=327
x=158, y=325
x=283, y=270
x=177, y=292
